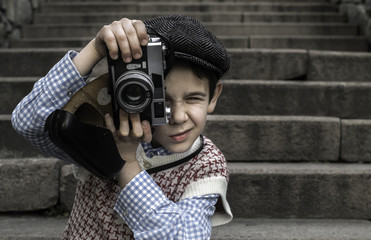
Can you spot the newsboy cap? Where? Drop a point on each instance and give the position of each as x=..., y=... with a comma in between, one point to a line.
x=192, y=42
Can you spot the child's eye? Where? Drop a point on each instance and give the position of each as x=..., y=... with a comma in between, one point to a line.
x=194, y=99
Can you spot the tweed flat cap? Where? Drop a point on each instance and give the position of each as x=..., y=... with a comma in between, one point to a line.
x=192, y=42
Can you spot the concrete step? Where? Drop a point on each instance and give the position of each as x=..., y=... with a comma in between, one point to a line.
x=300, y=190
x=198, y=1
x=268, y=190
x=346, y=100
x=283, y=64
x=328, y=43
x=132, y=6
x=13, y=90
x=273, y=64
x=41, y=227
x=238, y=16
x=257, y=138
x=13, y=145
x=334, y=43
x=250, y=138
x=218, y=28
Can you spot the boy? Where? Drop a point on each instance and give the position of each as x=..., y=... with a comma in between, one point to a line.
x=181, y=201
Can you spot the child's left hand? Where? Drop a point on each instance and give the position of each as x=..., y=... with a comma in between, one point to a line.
x=126, y=138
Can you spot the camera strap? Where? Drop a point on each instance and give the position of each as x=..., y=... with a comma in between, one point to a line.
x=179, y=162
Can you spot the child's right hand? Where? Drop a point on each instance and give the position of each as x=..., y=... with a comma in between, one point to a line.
x=126, y=35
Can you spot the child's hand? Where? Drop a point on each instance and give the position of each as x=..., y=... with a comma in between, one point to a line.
x=126, y=138
x=126, y=35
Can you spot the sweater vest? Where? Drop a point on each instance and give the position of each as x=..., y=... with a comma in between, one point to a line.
x=93, y=215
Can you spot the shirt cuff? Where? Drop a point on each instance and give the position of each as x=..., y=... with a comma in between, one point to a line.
x=140, y=198
x=66, y=79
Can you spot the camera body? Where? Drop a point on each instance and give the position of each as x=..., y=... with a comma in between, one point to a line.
x=139, y=86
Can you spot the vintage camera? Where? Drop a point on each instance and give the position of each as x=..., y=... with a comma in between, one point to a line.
x=139, y=86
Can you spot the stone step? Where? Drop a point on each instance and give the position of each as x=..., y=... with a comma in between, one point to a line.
x=268, y=190
x=293, y=229
x=218, y=28
x=35, y=227
x=251, y=138
x=13, y=90
x=198, y=1
x=247, y=64
x=238, y=16
x=284, y=64
x=12, y=145
x=132, y=6
x=346, y=100
x=334, y=43
x=300, y=190
x=257, y=138
x=265, y=64
x=328, y=43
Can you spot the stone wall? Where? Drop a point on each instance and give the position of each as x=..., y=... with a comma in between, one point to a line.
x=13, y=14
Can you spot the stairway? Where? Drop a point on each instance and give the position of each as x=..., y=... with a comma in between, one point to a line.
x=293, y=120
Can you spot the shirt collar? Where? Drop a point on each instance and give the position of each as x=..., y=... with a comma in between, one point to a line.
x=150, y=151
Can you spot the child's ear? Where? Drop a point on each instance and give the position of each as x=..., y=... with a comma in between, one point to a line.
x=213, y=101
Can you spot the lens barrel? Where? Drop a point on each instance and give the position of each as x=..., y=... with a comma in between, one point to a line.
x=134, y=91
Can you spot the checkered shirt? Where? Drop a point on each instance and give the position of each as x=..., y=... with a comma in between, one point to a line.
x=142, y=204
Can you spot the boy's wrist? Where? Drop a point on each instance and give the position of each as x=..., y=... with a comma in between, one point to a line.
x=87, y=58
x=128, y=172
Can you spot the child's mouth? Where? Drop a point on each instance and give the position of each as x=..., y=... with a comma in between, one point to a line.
x=181, y=136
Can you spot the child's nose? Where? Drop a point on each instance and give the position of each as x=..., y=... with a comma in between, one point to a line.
x=178, y=114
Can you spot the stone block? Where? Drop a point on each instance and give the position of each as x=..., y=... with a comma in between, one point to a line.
x=356, y=140
x=186, y=6
x=28, y=184
x=31, y=227
x=13, y=145
x=339, y=66
x=28, y=62
x=300, y=98
x=67, y=186
x=267, y=64
x=300, y=190
x=328, y=43
x=272, y=138
x=12, y=91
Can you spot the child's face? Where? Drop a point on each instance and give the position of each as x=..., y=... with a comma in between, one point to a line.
x=188, y=98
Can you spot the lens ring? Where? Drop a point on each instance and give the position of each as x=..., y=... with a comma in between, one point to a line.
x=134, y=79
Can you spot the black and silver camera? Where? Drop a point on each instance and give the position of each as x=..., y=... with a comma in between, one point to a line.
x=139, y=86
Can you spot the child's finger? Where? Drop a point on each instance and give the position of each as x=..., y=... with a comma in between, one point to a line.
x=132, y=38
x=141, y=32
x=136, y=130
x=121, y=40
x=109, y=123
x=109, y=39
x=147, y=133
x=124, y=123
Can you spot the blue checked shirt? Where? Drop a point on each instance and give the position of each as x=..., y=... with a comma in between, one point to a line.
x=141, y=203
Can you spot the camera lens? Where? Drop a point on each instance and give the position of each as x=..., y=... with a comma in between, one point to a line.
x=133, y=94
x=134, y=91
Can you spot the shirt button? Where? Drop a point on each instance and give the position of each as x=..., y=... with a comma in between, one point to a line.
x=147, y=164
x=69, y=94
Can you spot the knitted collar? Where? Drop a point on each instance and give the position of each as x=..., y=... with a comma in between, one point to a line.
x=159, y=163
